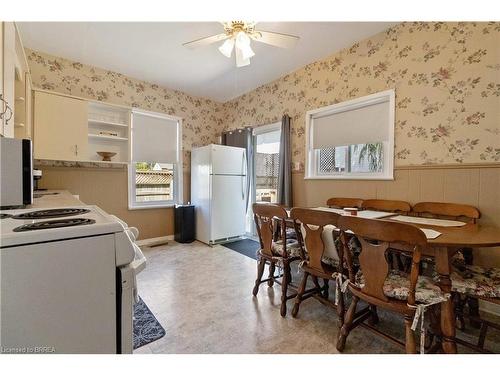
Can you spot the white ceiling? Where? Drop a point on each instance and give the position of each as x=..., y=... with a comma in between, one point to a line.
x=153, y=51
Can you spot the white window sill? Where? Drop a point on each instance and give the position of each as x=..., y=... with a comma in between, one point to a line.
x=149, y=207
x=352, y=177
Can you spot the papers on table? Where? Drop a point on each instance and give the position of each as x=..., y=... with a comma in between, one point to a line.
x=366, y=214
x=428, y=221
x=430, y=234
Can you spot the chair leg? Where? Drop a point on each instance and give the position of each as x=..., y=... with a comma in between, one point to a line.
x=326, y=288
x=260, y=271
x=482, y=335
x=300, y=293
x=316, y=283
x=373, y=319
x=473, y=304
x=435, y=327
x=284, y=288
x=459, y=303
x=272, y=268
x=340, y=306
x=411, y=346
x=346, y=327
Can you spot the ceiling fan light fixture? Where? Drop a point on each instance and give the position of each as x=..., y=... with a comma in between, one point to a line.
x=227, y=47
x=238, y=36
x=247, y=52
x=240, y=60
x=243, y=45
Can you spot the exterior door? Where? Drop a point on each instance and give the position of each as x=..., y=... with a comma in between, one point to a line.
x=264, y=177
x=60, y=127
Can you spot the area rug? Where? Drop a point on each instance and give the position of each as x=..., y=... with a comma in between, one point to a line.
x=146, y=327
x=245, y=247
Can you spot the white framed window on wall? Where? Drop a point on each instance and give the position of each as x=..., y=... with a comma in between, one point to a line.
x=352, y=140
x=155, y=168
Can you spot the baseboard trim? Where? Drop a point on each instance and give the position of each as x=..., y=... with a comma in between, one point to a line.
x=155, y=241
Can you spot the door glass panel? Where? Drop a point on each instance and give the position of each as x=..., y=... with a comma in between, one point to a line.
x=267, y=147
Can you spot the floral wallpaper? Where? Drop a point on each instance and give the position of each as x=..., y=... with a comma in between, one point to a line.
x=446, y=76
x=202, y=118
x=447, y=82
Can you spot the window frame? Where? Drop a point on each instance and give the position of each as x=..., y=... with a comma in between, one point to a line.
x=177, y=185
x=312, y=155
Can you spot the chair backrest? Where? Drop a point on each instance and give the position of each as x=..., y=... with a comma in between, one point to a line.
x=388, y=205
x=313, y=222
x=447, y=210
x=375, y=237
x=266, y=217
x=344, y=202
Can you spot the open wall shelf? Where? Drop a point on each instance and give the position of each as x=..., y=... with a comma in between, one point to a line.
x=108, y=130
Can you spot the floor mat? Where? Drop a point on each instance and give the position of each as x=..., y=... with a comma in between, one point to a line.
x=146, y=327
x=245, y=247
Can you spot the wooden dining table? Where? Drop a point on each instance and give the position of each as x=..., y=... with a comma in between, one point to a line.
x=442, y=248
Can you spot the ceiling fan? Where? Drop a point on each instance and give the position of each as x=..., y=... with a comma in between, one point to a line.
x=238, y=35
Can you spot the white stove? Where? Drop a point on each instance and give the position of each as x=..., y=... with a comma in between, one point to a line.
x=68, y=280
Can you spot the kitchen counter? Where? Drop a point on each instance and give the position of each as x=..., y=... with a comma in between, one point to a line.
x=53, y=199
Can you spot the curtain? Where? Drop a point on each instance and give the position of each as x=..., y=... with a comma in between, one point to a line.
x=285, y=165
x=242, y=138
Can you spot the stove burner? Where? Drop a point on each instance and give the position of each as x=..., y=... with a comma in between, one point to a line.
x=5, y=216
x=50, y=214
x=54, y=224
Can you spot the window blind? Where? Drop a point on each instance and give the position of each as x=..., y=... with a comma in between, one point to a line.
x=358, y=124
x=154, y=138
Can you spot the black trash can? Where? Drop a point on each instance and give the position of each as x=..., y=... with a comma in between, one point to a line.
x=184, y=223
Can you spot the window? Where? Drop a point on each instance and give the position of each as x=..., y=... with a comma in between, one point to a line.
x=155, y=170
x=352, y=140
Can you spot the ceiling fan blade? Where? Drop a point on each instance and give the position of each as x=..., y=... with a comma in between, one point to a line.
x=206, y=41
x=275, y=39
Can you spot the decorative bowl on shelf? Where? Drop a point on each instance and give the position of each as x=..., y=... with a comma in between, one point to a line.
x=106, y=156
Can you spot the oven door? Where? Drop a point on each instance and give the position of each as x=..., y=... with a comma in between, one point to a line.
x=128, y=298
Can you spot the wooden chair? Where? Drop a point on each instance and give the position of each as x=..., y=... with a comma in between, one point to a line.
x=275, y=249
x=344, y=202
x=398, y=259
x=455, y=211
x=400, y=207
x=376, y=284
x=478, y=283
x=461, y=212
x=316, y=264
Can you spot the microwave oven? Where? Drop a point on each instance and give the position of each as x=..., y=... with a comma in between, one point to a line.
x=16, y=173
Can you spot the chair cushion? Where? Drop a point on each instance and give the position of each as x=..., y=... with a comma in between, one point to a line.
x=291, y=233
x=397, y=285
x=292, y=247
x=330, y=261
x=476, y=281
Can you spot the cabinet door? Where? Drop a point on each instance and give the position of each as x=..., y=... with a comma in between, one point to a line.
x=60, y=127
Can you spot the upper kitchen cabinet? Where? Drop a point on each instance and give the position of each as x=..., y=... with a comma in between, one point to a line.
x=15, y=83
x=60, y=127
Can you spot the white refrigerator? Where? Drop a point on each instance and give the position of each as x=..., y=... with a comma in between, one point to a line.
x=218, y=192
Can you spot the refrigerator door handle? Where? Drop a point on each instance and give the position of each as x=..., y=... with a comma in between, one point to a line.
x=244, y=172
x=244, y=163
x=242, y=188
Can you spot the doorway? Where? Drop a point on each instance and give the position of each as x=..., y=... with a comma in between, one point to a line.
x=264, y=176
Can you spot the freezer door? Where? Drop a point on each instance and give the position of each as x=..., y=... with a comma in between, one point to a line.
x=228, y=207
x=228, y=160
